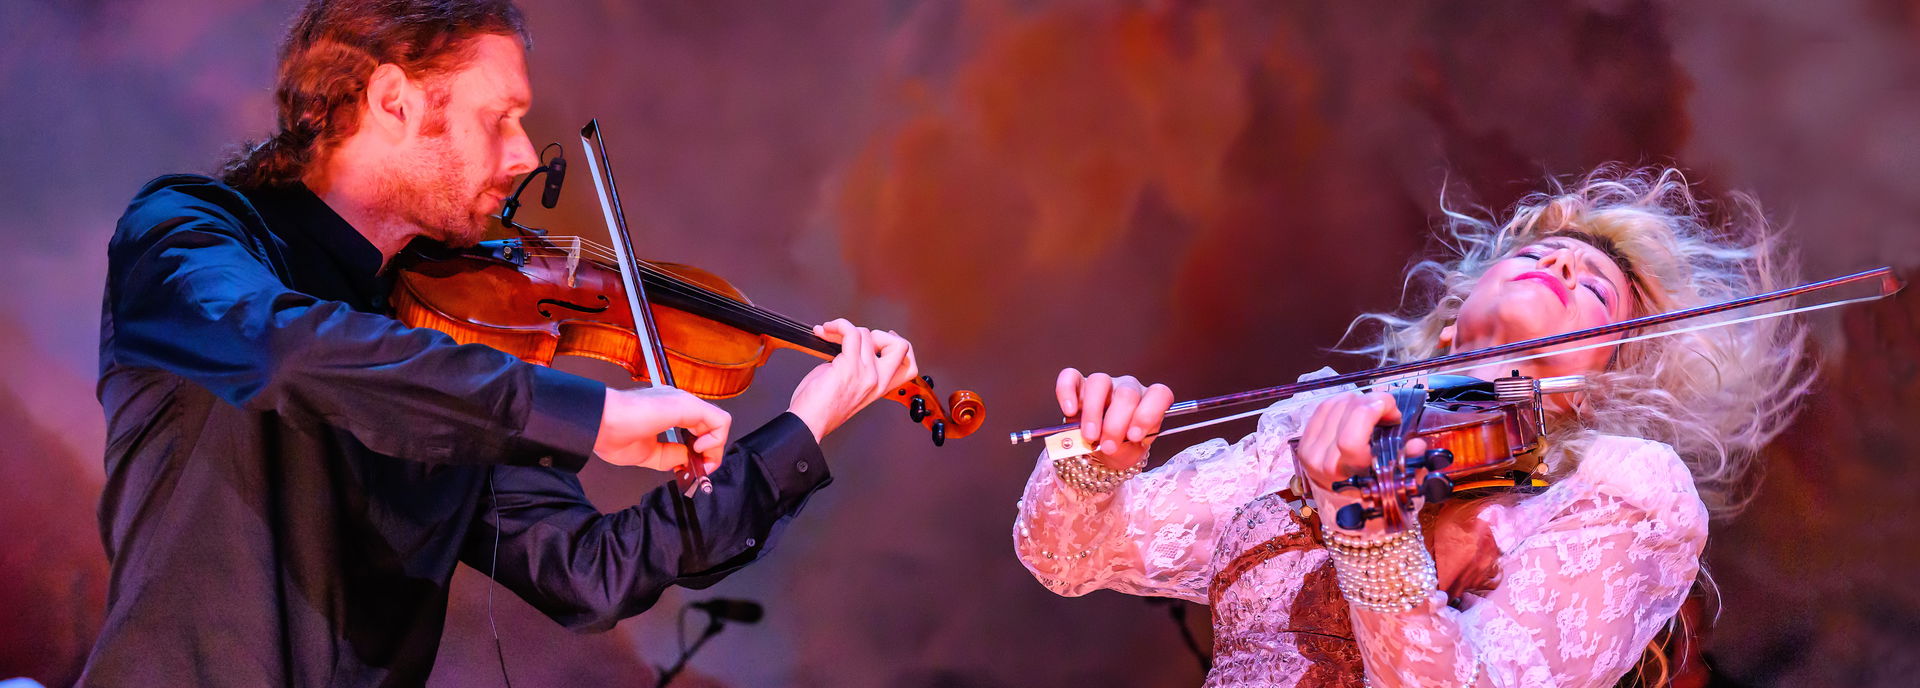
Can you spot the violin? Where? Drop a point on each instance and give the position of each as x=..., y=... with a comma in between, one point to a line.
x=1473, y=428
x=540, y=297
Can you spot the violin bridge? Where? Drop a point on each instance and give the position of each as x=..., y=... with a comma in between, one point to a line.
x=1067, y=445
x=573, y=263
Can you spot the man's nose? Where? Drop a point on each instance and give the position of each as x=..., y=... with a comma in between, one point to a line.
x=520, y=158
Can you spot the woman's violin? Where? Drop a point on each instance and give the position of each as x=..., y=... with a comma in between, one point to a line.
x=1473, y=428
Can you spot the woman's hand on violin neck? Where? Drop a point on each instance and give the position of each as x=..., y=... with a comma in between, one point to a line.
x=871, y=363
x=1117, y=414
x=1338, y=443
x=632, y=420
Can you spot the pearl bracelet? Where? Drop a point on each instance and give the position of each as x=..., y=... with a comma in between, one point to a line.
x=1388, y=574
x=1087, y=473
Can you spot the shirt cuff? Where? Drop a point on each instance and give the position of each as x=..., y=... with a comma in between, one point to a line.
x=789, y=458
x=563, y=423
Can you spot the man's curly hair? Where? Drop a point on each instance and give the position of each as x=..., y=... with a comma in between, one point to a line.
x=330, y=53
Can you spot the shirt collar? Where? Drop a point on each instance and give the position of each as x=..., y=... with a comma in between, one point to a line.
x=299, y=216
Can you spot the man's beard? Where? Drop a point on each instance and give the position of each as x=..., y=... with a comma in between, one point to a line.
x=428, y=190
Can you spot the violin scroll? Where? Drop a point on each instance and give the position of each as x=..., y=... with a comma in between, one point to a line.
x=963, y=413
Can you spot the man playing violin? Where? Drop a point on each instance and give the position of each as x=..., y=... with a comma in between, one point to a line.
x=1561, y=584
x=292, y=475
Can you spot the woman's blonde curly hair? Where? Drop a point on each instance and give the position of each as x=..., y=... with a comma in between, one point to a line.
x=1715, y=396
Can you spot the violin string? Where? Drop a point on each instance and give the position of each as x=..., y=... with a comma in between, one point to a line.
x=686, y=289
x=696, y=294
x=692, y=291
x=721, y=301
x=1529, y=357
x=698, y=291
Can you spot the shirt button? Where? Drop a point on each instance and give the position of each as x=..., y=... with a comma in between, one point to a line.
x=546, y=461
x=751, y=542
x=800, y=466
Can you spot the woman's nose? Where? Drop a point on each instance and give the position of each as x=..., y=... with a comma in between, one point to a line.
x=1559, y=263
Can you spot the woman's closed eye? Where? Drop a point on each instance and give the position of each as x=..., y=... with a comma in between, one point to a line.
x=1598, y=292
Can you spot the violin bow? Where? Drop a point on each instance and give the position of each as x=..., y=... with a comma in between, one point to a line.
x=693, y=476
x=1504, y=354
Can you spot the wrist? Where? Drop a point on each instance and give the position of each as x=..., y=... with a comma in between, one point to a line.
x=815, y=424
x=608, y=401
x=1122, y=460
x=1389, y=573
x=1090, y=474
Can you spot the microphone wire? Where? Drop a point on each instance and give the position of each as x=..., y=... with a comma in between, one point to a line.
x=493, y=567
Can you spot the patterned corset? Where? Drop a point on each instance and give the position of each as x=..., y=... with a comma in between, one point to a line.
x=1278, y=617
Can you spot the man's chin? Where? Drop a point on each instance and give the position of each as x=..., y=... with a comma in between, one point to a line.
x=468, y=235
x=466, y=239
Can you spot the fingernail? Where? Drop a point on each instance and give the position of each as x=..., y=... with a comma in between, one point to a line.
x=1109, y=446
x=1134, y=434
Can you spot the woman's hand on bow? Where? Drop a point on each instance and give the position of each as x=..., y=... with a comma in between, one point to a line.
x=1117, y=415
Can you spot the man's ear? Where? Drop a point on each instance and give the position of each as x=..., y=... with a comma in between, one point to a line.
x=1446, y=336
x=393, y=103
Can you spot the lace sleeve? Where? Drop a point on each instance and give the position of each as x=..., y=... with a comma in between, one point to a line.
x=1155, y=535
x=1611, y=559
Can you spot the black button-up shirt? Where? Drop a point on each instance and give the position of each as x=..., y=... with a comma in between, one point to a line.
x=292, y=475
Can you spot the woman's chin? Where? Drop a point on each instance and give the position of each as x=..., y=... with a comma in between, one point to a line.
x=1523, y=319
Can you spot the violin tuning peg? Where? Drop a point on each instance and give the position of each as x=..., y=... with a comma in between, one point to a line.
x=1436, y=489
x=1353, y=516
x=927, y=379
x=939, y=433
x=917, y=410
x=1358, y=482
x=1433, y=460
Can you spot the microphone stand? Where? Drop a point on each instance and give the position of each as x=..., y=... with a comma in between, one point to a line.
x=1178, y=610
x=714, y=624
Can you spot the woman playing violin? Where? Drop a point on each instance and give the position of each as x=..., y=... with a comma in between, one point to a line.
x=1560, y=584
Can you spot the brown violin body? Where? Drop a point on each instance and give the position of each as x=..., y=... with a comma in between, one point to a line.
x=1488, y=431
x=514, y=309
x=537, y=298
x=1484, y=437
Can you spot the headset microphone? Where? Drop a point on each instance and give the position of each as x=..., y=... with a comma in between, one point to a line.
x=556, y=175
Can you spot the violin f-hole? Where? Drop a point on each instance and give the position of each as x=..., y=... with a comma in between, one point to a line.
x=542, y=304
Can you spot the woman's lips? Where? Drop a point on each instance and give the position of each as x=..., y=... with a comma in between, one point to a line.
x=1554, y=284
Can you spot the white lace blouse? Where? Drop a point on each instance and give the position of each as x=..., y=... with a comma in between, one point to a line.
x=1590, y=569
